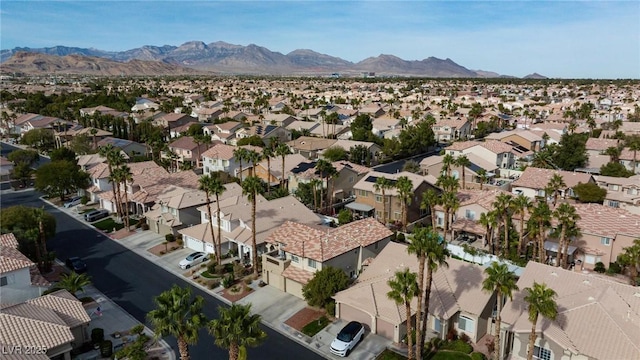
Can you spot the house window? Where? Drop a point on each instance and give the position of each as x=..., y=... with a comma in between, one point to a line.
x=362, y=193
x=379, y=198
x=437, y=325
x=605, y=241
x=350, y=179
x=4, y=281
x=633, y=191
x=590, y=259
x=466, y=324
x=614, y=204
x=613, y=187
x=470, y=215
x=311, y=263
x=440, y=220
x=295, y=259
x=396, y=215
x=541, y=353
x=540, y=192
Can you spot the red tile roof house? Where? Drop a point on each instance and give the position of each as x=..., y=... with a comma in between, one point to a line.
x=598, y=318
x=605, y=232
x=532, y=182
x=493, y=151
x=348, y=175
x=19, y=277
x=187, y=149
x=176, y=208
x=235, y=220
x=297, y=251
x=623, y=193
x=457, y=299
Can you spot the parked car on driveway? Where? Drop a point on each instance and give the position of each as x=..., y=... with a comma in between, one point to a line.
x=193, y=259
x=76, y=200
x=347, y=338
x=76, y=264
x=94, y=215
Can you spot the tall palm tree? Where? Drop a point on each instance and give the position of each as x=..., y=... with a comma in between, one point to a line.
x=381, y=185
x=235, y=329
x=217, y=188
x=252, y=187
x=126, y=177
x=450, y=203
x=431, y=199
x=464, y=162
x=634, y=146
x=503, y=282
x=283, y=150
x=267, y=154
x=405, y=192
x=315, y=183
x=326, y=170
x=73, y=282
x=541, y=302
x=116, y=179
x=240, y=154
x=447, y=183
x=436, y=254
x=403, y=288
x=113, y=159
x=206, y=184
x=556, y=183
x=538, y=224
x=567, y=217
x=613, y=152
x=502, y=204
x=447, y=161
x=482, y=176
x=521, y=205
x=253, y=157
x=420, y=243
x=489, y=221
x=178, y=314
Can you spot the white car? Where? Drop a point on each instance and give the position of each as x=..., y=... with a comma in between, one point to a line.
x=76, y=200
x=347, y=339
x=192, y=259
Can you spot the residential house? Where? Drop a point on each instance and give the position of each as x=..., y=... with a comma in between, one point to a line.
x=175, y=208
x=20, y=279
x=26, y=122
x=281, y=120
x=373, y=110
x=303, y=126
x=63, y=137
x=519, y=138
x=533, y=181
x=457, y=300
x=206, y=114
x=622, y=193
x=220, y=158
x=102, y=110
x=383, y=124
x=236, y=221
x=330, y=130
x=297, y=251
x=99, y=176
x=143, y=104
x=369, y=202
x=265, y=132
x=186, y=150
x=128, y=147
x=310, y=147
x=549, y=131
x=342, y=185
x=449, y=130
x=493, y=151
x=598, y=317
x=374, y=149
x=224, y=132
x=629, y=159
x=434, y=166
x=276, y=175
x=173, y=120
x=56, y=323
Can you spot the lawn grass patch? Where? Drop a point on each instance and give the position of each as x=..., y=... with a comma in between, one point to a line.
x=458, y=345
x=108, y=225
x=209, y=275
x=315, y=326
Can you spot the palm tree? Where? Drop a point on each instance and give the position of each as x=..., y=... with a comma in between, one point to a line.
x=403, y=288
x=125, y=175
x=538, y=224
x=73, y=282
x=489, y=221
x=503, y=206
x=405, y=192
x=251, y=187
x=178, y=314
x=267, y=154
x=431, y=199
x=113, y=159
x=450, y=203
x=253, y=157
x=116, y=179
x=447, y=183
x=235, y=329
x=567, y=218
x=541, y=302
x=503, y=282
x=521, y=205
x=381, y=185
x=634, y=146
x=447, y=161
x=240, y=154
x=630, y=258
x=283, y=150
x=463, y=162
x=482, y=176
x=436, y=254
x=206, y=184
x=314, y=183
x=555, y=185
x=613, y=152
x=421, y=243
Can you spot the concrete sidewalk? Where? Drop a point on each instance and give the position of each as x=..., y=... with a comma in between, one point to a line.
x=274, y=306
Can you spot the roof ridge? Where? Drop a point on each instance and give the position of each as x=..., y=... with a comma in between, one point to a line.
x=29, y=318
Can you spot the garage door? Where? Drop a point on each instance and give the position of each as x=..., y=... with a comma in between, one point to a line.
x=194, y=244
x=386, y=329
x=348, y=313
x=293, y=288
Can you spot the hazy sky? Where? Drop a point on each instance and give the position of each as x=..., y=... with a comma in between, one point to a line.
x=567, y=39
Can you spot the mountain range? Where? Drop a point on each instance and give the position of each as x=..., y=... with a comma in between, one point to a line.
x=222, y=58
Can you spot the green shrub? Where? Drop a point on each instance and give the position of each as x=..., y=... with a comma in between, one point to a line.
x=614, y=268
x=599, y=267
x=465, y=338
x=84, y=200
x=458, y=345
x=228, y=281
x=170, y=238
x=330, y=307
x=97, y=335
x=214, y=284
x=238, y=270
x=400, y=237
x=106, y=349
x=219, y=269
x=478, y=356
x=137, y=330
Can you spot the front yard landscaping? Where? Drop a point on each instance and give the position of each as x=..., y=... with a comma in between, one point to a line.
x=315, y=326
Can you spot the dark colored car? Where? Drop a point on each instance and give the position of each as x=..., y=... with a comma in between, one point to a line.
x=76, y=264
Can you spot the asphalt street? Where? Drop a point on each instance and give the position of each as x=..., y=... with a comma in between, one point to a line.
x=132, y=281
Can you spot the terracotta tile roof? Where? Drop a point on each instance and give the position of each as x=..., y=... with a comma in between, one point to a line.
x=11, y=260
x=367, y=182
x=606, y=221
x=525, y=134
x=322, y=244
x=359, y=169
x=455, y=288
x=537, y=178
x=601, y=144
x=99, y=171
x=9, y=240
x=46, y=321
x=497, y=147
x=462, y=145
x=297, y=274
x=583, y=300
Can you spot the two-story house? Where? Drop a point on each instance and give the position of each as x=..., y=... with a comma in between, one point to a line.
x=623, y=193
x=369, y=201
x=519, y=137
x=220, y=158
x=186, y=150
x=297, y=251
x=533, y=181
x=20, y=279
x=342, y=184
x=265, y=132
x=224, y=132
x=173, y=120
x=176, y=208
x=271, y=171
x=433, y=165
x=493, y=151
x=129, y=148
x=448, y=130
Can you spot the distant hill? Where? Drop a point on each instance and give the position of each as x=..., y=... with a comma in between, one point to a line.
x=535, y=76
x=222, y=57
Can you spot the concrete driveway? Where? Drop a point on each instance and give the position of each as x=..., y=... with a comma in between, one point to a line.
x=369, y=347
